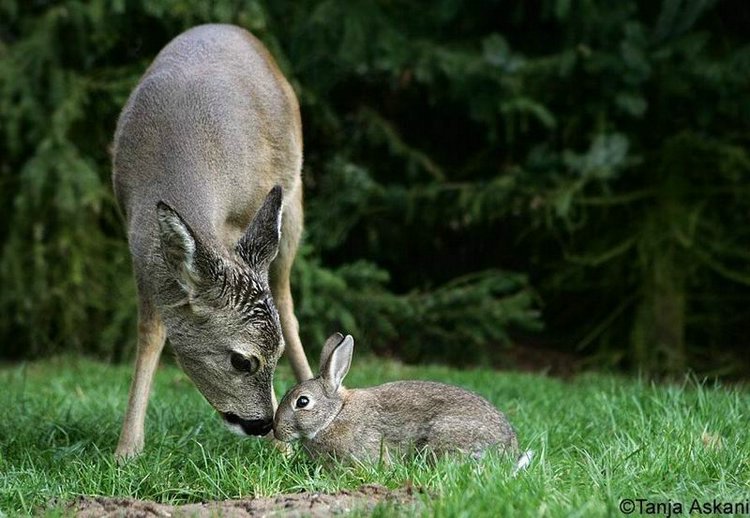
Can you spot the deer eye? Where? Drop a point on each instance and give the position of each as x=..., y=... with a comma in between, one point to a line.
x=244, y=363
x=301, y=402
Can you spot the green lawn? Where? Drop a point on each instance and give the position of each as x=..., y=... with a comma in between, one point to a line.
x=598, y=439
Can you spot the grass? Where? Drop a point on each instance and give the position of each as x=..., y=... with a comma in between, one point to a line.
x=598, y=439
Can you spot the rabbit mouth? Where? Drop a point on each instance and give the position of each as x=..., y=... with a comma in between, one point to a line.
x=285, y=435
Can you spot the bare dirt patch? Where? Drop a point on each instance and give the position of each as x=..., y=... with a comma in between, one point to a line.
x=293, y=505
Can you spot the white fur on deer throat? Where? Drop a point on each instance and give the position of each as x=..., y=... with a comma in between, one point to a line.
x=235, y=429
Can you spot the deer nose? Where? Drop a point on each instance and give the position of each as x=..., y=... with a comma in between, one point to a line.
x=250, y=426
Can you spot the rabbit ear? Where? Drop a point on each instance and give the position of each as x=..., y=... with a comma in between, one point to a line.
x=337, y=365
x=331, y=343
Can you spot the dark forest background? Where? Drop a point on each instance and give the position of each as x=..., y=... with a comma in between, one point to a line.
x=570, y=176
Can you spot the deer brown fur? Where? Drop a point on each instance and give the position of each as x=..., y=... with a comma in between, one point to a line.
x=206, y=170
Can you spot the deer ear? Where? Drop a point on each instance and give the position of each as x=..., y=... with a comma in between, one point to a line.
x=338, y=364
x=260, y=244
x=182, y=252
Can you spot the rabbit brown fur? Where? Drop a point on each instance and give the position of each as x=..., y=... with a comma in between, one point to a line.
x=389, y=420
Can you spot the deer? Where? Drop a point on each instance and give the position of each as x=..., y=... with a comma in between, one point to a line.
x=206, y=171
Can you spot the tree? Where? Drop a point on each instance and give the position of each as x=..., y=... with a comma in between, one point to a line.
x=463, y=169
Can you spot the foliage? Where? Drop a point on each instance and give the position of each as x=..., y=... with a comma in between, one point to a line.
x=597, y=439
x=647, y=215
x=455, y=158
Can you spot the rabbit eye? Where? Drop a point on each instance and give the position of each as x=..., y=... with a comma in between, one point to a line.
x=302, y=402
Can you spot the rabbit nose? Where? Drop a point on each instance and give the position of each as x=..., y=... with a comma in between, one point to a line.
x=250, y=426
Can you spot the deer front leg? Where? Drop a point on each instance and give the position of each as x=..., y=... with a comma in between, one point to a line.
x=291, y=230
x=151, y=338
x=290, y=329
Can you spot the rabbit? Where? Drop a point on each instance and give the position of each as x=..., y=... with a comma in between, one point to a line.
x=386, y=421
